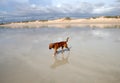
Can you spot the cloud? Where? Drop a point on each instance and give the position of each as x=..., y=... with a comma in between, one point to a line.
x=28, y=8
x=118, y=0
x=20, y=1
x=41, y=2
x=80, y=8
x=102, y=10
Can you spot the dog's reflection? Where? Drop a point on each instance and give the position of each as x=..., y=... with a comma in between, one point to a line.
x=59, y=61
x=62, y=51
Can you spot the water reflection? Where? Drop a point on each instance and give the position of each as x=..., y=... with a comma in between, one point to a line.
x=59, y=61
x=24, y=53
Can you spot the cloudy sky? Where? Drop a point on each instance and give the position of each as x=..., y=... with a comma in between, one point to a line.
x=10, y=8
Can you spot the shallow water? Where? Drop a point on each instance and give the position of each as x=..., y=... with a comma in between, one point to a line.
x=94, y=55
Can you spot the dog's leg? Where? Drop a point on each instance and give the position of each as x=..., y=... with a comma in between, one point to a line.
x=62, y=49
x=67, y=47
x=55, y=52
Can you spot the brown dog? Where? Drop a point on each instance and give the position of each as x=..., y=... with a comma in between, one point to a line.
x=62, y=44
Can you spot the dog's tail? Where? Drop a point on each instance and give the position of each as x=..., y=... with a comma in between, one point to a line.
x=67, y=39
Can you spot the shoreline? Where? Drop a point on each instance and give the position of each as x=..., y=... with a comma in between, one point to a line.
x=65, y=22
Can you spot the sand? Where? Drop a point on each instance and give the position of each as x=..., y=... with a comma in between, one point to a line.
x=64, y=23
x=94, y=56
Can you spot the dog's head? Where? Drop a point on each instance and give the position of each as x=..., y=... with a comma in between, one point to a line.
x=51, y=45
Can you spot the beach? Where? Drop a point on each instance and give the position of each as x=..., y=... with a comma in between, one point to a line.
x=93, y=56
x=100, y=22
x=59, y=41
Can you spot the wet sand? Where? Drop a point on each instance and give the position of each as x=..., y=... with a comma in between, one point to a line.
x=94, y=56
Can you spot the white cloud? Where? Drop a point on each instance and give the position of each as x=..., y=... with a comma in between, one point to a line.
x=24, y=8
x=23, y=1
x=33, y=6
x=102, y=10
